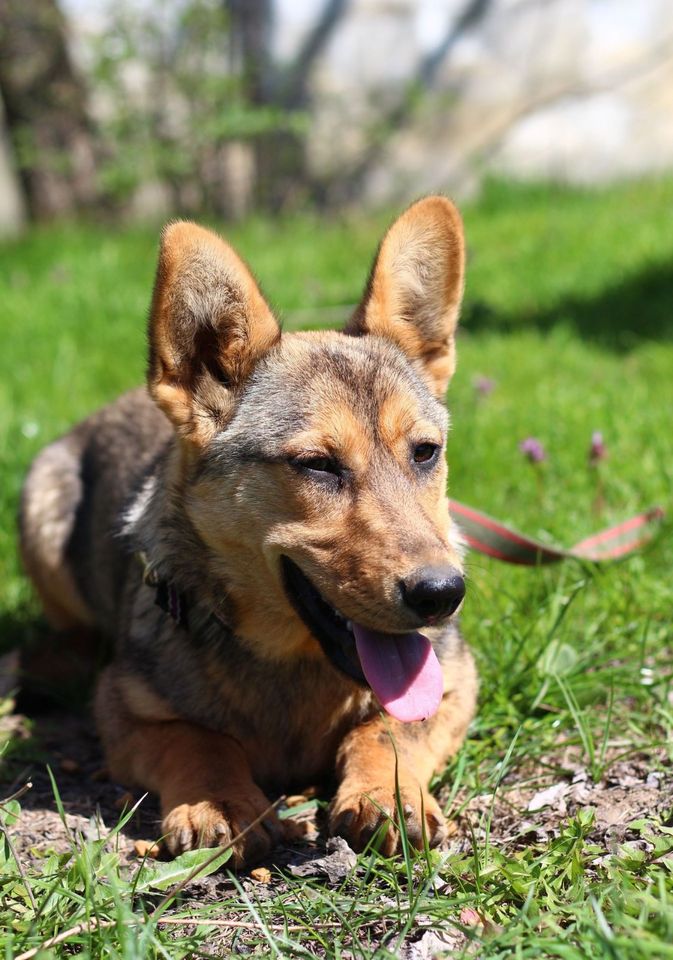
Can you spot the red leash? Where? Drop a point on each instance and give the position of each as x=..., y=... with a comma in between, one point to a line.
x=486, y=535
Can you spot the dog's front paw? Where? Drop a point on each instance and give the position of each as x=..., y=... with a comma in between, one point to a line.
x=211, y=823
x=359, y=810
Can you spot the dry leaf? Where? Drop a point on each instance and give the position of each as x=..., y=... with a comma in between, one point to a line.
x=338, y=863
x=432, y=944
x=470, y=918
x=145, y=848
x=309, y=793
x=296, y=830
x=550, y=797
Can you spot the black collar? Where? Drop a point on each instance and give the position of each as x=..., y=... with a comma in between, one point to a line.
x=167, y=595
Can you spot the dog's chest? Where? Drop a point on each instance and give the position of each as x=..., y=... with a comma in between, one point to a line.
x=290, y=718
x=289, y=715
x=297, y=746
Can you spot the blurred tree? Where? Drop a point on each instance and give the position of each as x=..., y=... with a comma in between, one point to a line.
x=45, y=109
x=183, y=110
x=282, y=173
x=349, y=183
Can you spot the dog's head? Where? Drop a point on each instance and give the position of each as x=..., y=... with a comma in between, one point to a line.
x=314, y=464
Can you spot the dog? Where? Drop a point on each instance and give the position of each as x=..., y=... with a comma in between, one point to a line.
x=261, y=534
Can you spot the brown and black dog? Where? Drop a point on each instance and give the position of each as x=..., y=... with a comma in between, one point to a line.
x=261, y=534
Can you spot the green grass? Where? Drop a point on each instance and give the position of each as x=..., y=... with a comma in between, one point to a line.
x=569, y=308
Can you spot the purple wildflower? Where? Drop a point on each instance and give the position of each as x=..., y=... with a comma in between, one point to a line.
x=533, y=449
x=484, y=385
x=597, y=450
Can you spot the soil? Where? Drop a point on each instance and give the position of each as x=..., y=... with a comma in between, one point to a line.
x=92, y=802
x=530, y=807
x=633, y=788
x=630, y=789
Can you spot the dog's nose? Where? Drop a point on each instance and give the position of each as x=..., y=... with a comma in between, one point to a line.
x=433, y=592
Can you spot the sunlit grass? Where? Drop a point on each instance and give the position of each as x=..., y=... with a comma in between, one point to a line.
x=569, y=310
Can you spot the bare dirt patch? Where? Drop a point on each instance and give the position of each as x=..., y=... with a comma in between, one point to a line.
x=92, y=802
x=629, y=791
x=530, y=808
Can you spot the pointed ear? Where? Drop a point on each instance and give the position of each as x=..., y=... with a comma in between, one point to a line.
x=415, y=289
x=209, y=324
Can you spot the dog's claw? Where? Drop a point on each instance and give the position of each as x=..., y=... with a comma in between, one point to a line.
x=185, y=839
x=358, y=812
x=212, y=823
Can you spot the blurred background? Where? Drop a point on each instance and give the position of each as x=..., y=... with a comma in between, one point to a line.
x=300, y=129
x=156, y=108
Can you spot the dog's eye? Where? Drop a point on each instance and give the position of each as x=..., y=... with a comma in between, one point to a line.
x=318, y=465
x=425, y=452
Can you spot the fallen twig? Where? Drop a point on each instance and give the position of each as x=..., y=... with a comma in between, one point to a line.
x=94, y=924
x=245, y=924
x=18, y=793
x=85, y=927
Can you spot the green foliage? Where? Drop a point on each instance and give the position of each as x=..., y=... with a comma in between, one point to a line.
x=568, y=311
x=163, y=876
x=173, y=97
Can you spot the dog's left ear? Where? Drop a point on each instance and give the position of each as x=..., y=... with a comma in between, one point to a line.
x=415, y=289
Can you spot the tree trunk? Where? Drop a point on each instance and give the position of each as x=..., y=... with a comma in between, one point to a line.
x=45, y=108
x=282, y=174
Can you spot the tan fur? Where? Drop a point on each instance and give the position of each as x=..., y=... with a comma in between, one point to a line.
x=369, y=756
x=419, y=274
x=210, y=483
x=200, y=279
x=204, y=780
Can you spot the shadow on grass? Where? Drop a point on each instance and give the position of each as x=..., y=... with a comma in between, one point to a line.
x=620, y=317
x=43, y=669
x=52, y=727
x=68, y=745
x=20, y=627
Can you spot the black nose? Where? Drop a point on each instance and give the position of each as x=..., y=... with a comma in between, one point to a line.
x=433, y=592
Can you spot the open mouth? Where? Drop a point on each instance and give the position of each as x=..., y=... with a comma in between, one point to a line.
x=333, y=632
x=401, y=668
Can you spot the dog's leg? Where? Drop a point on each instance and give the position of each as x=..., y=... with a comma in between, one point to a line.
x=203, y=778
x=366, y=798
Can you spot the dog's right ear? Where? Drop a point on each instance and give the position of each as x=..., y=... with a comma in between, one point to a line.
x=209, y=325
x=415, y=289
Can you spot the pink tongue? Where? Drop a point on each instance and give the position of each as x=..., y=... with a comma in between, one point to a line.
x=403, y=672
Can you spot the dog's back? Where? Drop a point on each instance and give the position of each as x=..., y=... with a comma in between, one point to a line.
x=74, y=496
